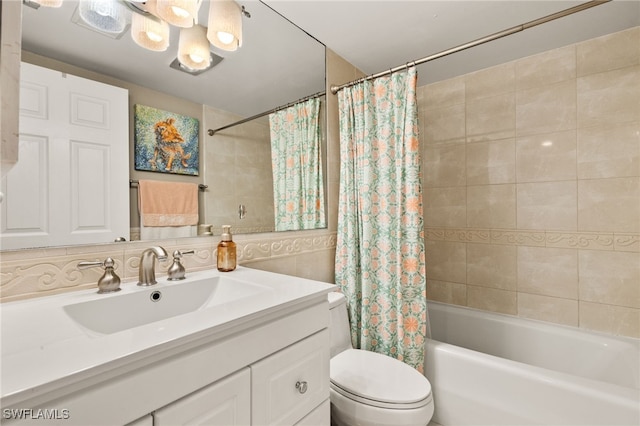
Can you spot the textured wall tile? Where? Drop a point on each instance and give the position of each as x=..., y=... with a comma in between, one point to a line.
x=491, y=299
x=446, y=292
x=281, y=265
x=610, y=319
x=444, y=165
x=491, y=81
x=444, y=125
x=46, y=276
x=491, y=118
x=548, y=271
x=446, y=261
x=627, y=242
x=467, y=235
x=609, y=97
x=580, y=240
x=520, y=238
x=547, y=205
x=445, y=207
x=546, y=157
x=609, y=151
x=610, y=277
x=479, y=236
x=434, y=234
x=444, y=93
x=546, y=68
x=318, y=265
x=546, y=109
x=609, y=205
x=545, y=308
x=491, y=206
x=491, y=162
x=617, y=50
x=492, y=266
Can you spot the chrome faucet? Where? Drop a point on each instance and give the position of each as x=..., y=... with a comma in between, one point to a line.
x=147, y=274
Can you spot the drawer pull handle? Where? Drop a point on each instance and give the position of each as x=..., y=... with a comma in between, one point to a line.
x=301, y=386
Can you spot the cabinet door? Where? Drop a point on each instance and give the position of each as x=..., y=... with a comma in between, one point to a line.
x=321, y=416
x=223, y=403
x=291, y=383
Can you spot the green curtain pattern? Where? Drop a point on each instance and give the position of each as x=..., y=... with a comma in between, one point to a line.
x=296, y=160
x=380, y=256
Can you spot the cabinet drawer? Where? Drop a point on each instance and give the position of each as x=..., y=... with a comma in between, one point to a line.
x=292, y=382
x=224, y=403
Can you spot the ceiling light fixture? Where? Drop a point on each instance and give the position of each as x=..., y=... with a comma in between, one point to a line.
x=49, y=3
x=150, y=28
x=225, y=25
x=193, y=48
x=181, y=13
x=105, y=15
x=148, y=31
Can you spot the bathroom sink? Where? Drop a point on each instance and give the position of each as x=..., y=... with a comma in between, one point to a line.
x=118, y=312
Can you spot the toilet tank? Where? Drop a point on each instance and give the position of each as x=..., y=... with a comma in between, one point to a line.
x=339, y=329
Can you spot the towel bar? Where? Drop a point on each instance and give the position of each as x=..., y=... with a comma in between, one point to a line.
x=134, y=183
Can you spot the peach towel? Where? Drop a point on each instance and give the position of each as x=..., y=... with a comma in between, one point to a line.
x=168, y=203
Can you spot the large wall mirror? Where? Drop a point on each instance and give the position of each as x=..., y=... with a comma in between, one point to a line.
x=277, y=65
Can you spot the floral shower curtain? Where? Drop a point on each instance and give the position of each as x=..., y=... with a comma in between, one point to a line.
x=296, y=161
x=380, y=260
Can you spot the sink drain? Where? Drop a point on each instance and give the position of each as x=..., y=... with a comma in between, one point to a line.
x=155, y=296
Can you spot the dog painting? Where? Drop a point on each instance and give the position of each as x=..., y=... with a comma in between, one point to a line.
x=165, y=142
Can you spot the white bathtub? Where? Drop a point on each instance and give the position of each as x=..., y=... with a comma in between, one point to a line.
x=492, y=369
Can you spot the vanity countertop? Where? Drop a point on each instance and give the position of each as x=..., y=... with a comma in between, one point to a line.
x=44, y=349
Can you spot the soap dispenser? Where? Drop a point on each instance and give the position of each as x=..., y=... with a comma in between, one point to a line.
x=226, y=251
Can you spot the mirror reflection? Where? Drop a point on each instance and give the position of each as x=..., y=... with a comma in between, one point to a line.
x=276, y=66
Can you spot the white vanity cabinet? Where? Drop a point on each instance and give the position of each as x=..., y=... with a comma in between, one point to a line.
x=226, y=402
x=291, y=383
x=144, y=421
x=268, y=367
x=284, y=389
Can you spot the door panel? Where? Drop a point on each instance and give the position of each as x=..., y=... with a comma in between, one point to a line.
x=79, y=191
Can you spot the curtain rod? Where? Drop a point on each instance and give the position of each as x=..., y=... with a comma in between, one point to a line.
x=518, y=28
x=212, y=132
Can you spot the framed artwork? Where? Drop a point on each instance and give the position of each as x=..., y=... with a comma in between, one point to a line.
x=165, y=142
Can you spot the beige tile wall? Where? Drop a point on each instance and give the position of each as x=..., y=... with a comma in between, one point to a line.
x=532, y=182
x=238, y=161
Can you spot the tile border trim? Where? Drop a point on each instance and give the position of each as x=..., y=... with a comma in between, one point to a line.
x=608, y=241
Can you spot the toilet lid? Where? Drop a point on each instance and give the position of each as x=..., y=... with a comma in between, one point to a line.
x=378, y=377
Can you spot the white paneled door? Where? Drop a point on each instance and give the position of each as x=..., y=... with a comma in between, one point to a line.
x=71, y=182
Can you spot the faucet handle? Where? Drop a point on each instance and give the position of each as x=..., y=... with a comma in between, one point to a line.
x=176, y=271
x=109, y=282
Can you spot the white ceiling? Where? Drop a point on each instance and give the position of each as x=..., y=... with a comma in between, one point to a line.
x=378, y=35
x=278, y=63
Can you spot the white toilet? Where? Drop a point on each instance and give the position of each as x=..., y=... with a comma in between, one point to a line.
x=371, y=389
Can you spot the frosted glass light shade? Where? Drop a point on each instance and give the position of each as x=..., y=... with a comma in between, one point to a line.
x=49, y=3
x=193, y=48
x=149, y=33
x=104, y=15
x=225, y=25
x=180, y=13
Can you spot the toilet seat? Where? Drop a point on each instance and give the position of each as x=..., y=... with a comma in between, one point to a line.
x=378, y=380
